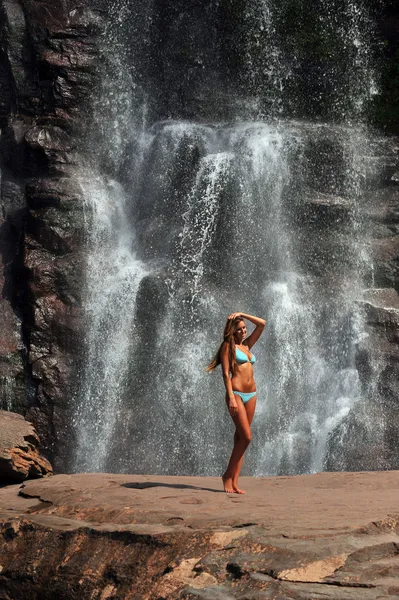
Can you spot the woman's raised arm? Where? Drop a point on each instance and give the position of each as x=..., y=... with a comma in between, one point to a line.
x=259, y=327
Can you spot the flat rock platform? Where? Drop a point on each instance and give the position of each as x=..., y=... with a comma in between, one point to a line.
x=100, y=536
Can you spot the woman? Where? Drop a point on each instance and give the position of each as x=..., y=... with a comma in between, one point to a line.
x=237, y=366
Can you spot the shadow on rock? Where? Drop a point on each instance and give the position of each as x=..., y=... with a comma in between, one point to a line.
x=179, y=486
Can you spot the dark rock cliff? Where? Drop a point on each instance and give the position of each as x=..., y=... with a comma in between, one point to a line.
x=48, y=61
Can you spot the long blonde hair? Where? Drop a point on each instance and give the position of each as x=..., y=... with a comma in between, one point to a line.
x=228, y=337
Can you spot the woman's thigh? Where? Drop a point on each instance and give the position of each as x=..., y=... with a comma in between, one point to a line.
x=241, y=420
x=250, y=409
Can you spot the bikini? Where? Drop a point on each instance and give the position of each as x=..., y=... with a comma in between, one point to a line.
x=242, y=358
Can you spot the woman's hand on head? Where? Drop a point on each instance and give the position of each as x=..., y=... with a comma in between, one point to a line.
x=234, y=315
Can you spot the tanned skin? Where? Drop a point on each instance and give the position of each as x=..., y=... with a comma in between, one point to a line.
x=241, y=380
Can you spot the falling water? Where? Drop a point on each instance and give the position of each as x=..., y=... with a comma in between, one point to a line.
x=113, y=278
x=200, y=218
x=216, y=204
x=7, y=392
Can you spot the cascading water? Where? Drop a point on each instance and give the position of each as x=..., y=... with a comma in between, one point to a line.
x=113, y=278
x=220, y=208
x=7, y=393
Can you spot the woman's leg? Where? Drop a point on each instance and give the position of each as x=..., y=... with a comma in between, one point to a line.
x=250, y=410
x=242, y=439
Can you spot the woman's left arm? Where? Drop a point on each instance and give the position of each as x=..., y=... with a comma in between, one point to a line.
x=257, y=332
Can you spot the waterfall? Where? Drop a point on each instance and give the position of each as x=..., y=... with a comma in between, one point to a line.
x=113, y=277
x=228, y=193
x=7, y=385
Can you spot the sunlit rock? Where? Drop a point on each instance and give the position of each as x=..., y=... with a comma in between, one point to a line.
x=20, y=458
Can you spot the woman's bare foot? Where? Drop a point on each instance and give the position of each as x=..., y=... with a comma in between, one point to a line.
x=237, y=490
x=228, y=484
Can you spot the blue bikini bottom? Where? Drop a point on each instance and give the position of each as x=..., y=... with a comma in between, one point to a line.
x=244, y=396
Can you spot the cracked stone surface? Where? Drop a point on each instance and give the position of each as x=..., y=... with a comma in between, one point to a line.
x=20, y=458
x=99, y=536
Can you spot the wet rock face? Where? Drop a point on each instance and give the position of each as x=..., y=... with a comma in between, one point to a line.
x=19, y=455
x=47, y=74
x=367, y=438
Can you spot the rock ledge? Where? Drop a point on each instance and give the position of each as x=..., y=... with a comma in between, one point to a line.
x=330, y=536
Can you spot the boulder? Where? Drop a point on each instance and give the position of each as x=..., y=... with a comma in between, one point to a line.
x=19, y=455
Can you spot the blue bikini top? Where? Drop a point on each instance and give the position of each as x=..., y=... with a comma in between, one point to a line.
x=241, y=357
